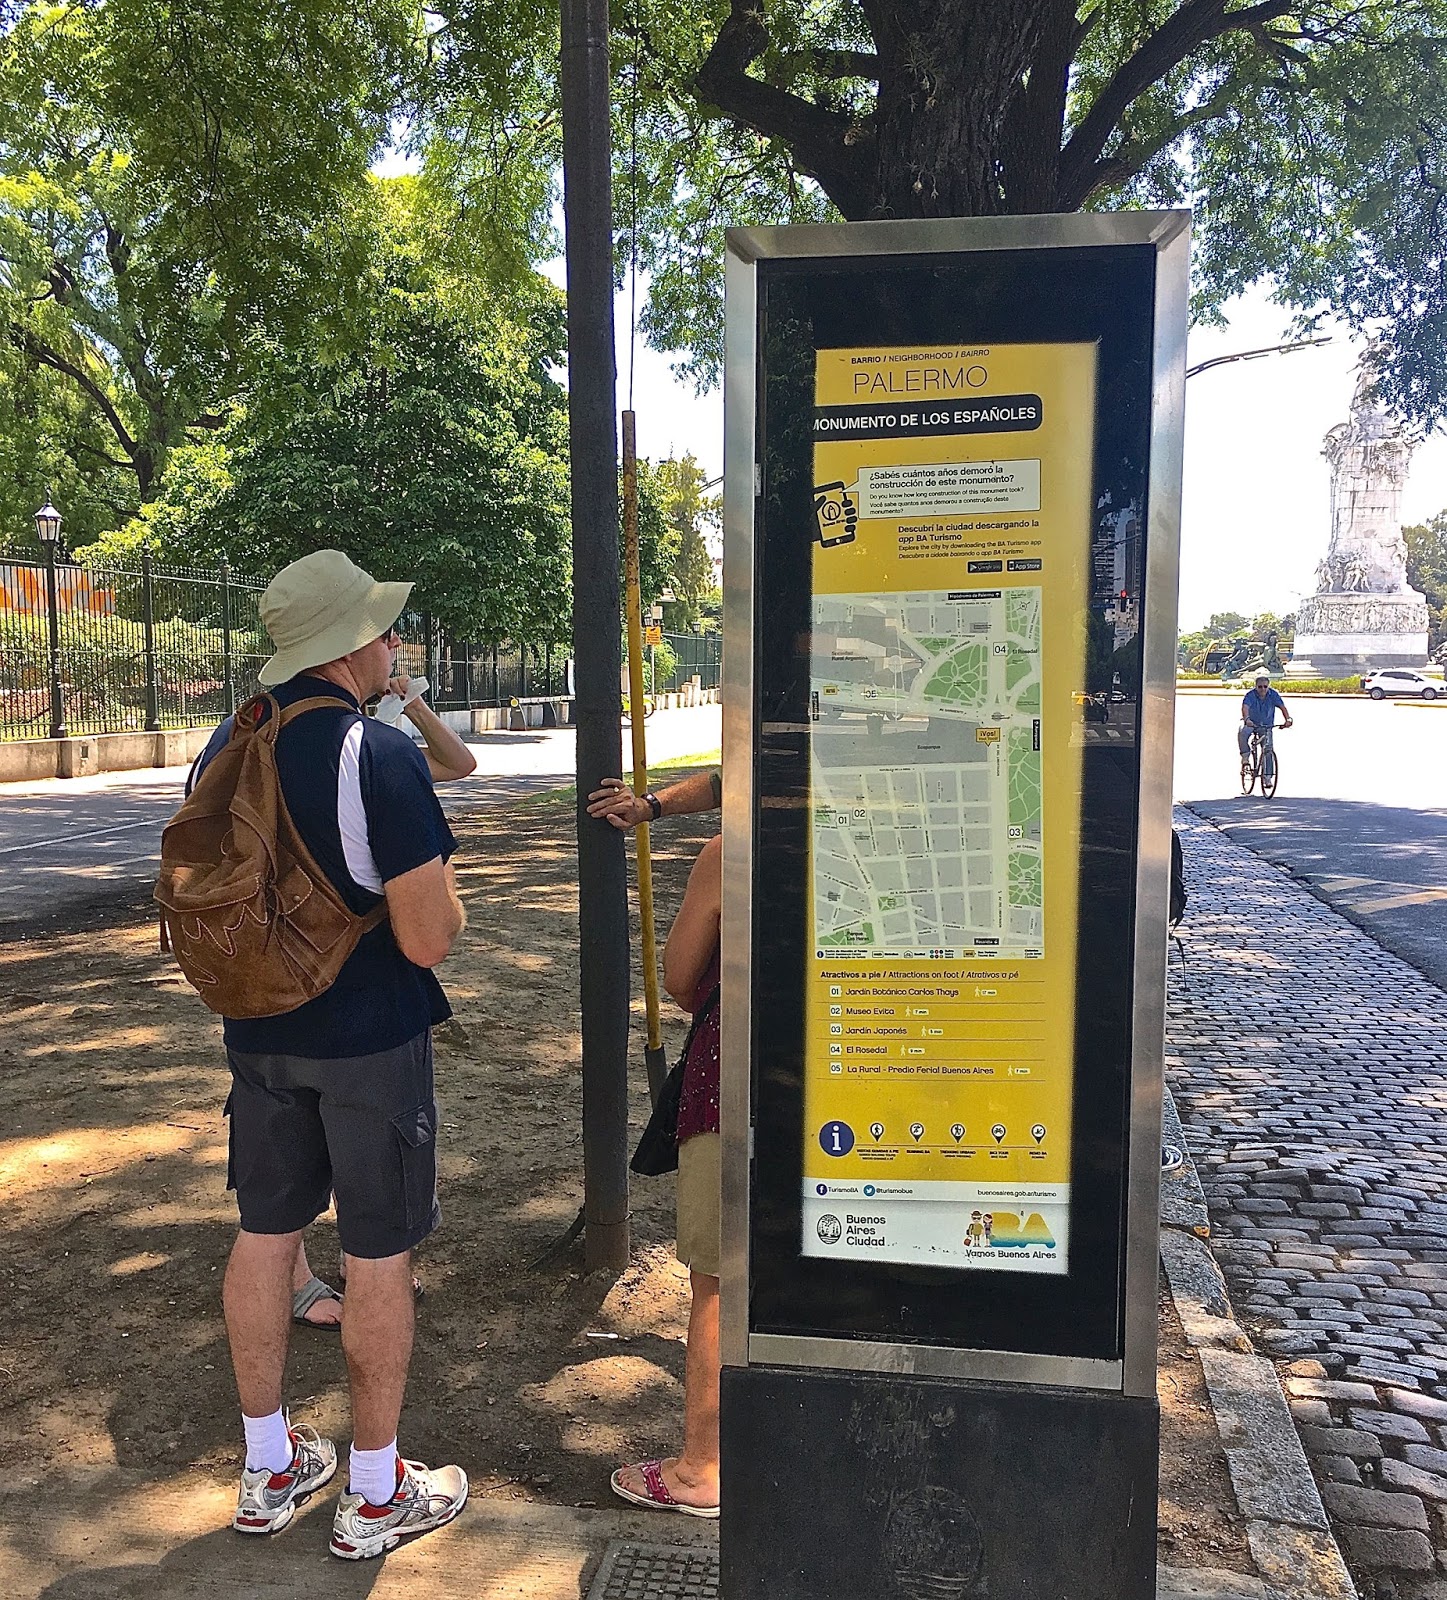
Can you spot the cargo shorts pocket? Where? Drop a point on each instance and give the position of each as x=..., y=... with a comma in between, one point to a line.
x=417, y=1143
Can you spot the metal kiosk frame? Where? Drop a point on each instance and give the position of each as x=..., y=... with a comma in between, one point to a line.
x=1078, y=1432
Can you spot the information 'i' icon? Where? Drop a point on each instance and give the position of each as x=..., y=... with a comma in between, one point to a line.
x=1037, y=1133
x=876, y=1131
x=957, y=1131
x=916, y=1131
x=998, y=1132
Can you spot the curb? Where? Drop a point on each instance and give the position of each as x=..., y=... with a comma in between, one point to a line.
x=1286, y=1524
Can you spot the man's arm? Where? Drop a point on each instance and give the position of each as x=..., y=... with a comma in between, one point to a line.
x=616, y=802
x=425, y=913
x=447, y=756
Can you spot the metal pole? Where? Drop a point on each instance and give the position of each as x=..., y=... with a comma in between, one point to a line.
x=148, y=623
x=52, y=613
x=228, y=677
x=653, y=1055
x=593, y=451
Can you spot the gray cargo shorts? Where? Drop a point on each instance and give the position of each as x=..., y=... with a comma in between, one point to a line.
x=364, y=1127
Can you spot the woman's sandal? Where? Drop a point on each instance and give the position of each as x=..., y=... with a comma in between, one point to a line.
x=657, y=1497
x=311, y=1293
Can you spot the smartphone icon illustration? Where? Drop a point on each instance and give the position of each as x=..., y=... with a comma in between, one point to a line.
x=835, y=514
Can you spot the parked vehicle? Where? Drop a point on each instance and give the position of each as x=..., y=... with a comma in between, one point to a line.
x=1401, y=680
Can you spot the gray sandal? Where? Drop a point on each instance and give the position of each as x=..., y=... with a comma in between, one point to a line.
x=303, y=1299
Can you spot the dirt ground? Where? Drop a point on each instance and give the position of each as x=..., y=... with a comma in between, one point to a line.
x=536, y=1377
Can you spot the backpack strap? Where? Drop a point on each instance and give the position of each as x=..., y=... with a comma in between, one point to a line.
x=299, y=708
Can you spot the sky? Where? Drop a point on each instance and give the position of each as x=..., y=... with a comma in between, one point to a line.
x=1255, y=517
x=1255, y=514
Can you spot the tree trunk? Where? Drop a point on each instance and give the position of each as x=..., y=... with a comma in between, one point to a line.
x=947, y=91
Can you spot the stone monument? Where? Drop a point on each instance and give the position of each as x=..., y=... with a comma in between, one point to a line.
x=1363, y=615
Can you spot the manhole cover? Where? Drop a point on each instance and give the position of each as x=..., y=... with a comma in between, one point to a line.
x=655, y=1572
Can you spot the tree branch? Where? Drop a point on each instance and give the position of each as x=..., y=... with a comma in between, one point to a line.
x=24, y=340
x=1135, y=155
x=828, y=145
x=846, y=63
x=1196, y=23
x=103, y=455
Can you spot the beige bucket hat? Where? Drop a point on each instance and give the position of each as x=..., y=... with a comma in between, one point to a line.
x=322, y=607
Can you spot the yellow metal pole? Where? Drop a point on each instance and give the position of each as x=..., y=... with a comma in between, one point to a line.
x=653, y=1053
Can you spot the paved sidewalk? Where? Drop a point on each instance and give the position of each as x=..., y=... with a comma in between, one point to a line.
x=1310, y=1069
x=68, y=845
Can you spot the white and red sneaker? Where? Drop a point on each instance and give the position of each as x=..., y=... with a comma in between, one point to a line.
x=425, y=1499
x=268, y=1500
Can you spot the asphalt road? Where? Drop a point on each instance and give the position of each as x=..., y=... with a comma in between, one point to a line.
x=74, y=851
x=1359, y=816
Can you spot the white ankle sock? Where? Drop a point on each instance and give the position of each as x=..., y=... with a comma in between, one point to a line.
x=374, y=1474
x=268, y=1442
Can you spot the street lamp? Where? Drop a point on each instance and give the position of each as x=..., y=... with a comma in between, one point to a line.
x=47, y=523
x=1289, y=348
x=47, y=530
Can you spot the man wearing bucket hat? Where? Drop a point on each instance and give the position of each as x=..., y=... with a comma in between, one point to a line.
x=336, y=1096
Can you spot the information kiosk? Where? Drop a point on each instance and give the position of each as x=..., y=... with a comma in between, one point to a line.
x=952, y=493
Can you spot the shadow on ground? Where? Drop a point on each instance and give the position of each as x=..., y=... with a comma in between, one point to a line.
x=113, y=1162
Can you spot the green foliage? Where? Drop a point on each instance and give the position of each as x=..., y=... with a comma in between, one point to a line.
x=688, y=511
x=1309, y=139
x=657, y=536
x=659, y=664
x=1427, y=571
x=431, y=449
x=1318, y=685
x=175, y=184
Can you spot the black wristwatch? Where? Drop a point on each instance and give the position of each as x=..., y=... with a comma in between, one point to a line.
x=655, y=808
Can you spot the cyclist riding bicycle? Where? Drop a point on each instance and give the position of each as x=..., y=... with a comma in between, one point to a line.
x=1258, y=714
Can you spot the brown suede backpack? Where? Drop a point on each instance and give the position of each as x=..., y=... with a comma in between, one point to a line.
x=255, y=924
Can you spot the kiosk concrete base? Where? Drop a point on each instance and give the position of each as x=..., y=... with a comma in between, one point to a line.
x=844, y=1486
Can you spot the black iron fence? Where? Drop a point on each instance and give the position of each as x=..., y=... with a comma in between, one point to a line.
x=473, y=676
x=467, y=677
x=117, y=648
x=121, y=648
x=692, y=655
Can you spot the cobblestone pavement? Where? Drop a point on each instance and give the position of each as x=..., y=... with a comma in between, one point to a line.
x=1310, y=1070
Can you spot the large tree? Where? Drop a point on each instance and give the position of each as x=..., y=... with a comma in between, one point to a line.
x=173, y=183
x=1427, y=571
x=1308, y=134
x=430, y=445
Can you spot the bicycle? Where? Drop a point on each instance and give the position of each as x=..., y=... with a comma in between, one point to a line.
x=1262, y=765
x=649, y=707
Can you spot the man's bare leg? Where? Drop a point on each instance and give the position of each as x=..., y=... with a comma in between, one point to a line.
x=256, y=1295
x=377, y=1326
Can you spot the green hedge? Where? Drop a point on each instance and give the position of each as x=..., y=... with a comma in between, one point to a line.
x=1352, y=685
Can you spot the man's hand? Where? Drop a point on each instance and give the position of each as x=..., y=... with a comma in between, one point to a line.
x=615, y=802
x=1286, y=722
x=399, y=685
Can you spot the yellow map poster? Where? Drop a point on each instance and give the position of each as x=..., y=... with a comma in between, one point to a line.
x=952, y=537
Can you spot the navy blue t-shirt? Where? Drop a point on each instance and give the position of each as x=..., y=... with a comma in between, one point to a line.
x=361, y=797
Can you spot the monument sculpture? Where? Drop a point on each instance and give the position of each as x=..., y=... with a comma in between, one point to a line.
x=1364, y=614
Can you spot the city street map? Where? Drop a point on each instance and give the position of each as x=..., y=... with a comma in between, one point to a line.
x=926, y=772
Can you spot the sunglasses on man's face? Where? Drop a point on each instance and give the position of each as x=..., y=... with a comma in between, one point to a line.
x=392, y=638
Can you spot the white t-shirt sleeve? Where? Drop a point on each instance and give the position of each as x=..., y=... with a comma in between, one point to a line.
x=352, y=814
